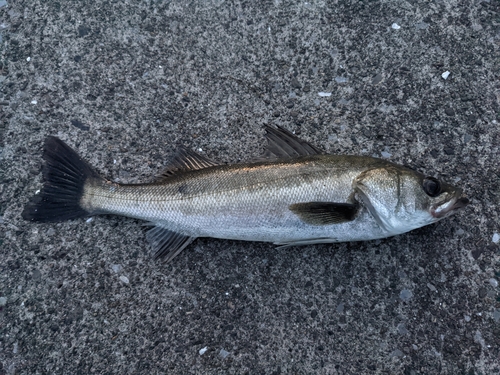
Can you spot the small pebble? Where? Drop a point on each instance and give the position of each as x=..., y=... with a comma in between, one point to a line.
x=445, y=75
x=203, y=350
x=496, y=315
x=449, y=111
x=386, y=154
x=116, y=268
x=223, y=353
x=496, y=238
x=421, y=26
x=340, y=308
x=467, y=318
x=37, y=275
x=124, y=279
x=493, y=282
x=405, y=295
x=3, y=301
x=402, y=329
x=377, y=79
x=397, y=353
x=395, y=26
x=34, y=102
x=324, y=94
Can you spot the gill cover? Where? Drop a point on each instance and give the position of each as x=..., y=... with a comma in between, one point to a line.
x=394, y=197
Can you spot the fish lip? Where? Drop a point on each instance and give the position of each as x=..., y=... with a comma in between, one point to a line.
x=455, y=205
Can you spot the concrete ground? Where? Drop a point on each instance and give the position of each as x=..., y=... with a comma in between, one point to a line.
x=126, y=82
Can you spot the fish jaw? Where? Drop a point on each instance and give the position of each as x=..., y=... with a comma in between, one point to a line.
x=449, y=208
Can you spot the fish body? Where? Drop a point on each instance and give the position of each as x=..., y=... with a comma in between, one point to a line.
x=294, y=195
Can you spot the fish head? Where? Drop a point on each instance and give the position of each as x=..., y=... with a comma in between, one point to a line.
x=401, y=199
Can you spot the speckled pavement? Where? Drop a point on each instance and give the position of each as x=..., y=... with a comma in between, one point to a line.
x=126, y=82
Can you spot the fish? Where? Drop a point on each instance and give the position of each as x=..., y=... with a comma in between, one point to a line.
x=294, y=194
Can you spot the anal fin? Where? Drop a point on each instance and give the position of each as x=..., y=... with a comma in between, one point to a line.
x=309, y=241
x=165, y=244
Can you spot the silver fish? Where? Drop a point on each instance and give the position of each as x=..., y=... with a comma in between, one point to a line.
x=294, y=195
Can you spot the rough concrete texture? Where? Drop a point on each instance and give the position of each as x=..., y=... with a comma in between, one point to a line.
x=125, y=82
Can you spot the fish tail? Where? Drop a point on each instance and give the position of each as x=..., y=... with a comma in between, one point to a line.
x=65, y=175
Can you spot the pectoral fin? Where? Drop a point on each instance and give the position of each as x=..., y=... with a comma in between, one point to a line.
x=166, y=244
x=325, y=213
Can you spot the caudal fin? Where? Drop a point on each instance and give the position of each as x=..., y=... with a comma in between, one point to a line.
x=65, y=174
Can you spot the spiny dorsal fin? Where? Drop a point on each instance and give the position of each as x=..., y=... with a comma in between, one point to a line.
x=186, y=160
x=325, y=213
x=284, y=144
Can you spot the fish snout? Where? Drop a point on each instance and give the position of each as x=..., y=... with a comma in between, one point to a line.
x=453, y=206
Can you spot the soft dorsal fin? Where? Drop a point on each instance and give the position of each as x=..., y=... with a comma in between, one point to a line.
x=186, y=160
x=284, y=144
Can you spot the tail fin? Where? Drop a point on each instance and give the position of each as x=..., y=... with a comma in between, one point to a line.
x=65, y=174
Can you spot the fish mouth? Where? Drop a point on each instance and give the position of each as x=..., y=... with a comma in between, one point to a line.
x=450, y=208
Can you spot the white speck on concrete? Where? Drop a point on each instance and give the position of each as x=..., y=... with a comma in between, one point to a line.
x=395, y=26
x=493, y=282
x=341, y=79
x=124, y=279
x=323, y=93
x=496, y=237
x=34, y=102
x=223, y=353
x=445, y=75
x=89, y=220
x=203, y=350
x=200, y=150
x=28, y=59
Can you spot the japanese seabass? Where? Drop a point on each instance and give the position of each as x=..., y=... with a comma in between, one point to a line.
x=293, y=195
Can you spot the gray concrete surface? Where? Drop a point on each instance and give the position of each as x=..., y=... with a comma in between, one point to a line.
x=125, y=82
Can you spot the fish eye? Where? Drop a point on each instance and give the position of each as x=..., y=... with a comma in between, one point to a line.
x=432, y=187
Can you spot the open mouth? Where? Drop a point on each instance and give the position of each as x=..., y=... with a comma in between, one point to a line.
x=450, y=208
